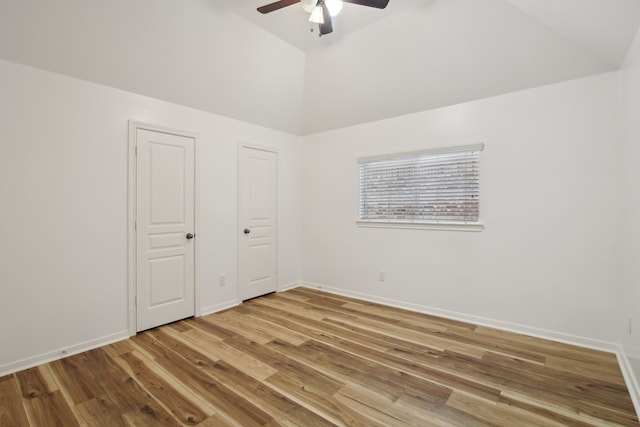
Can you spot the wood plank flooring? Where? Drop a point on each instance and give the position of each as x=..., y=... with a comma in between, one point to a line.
x=309, y=358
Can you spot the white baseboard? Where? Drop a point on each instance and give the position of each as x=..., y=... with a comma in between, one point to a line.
x=61, y=353
x=219, y=307
x=234, y=302
x=288, y=286
x=629, y=377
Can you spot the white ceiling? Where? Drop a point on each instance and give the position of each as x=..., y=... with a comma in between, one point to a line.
x=602, y=26
x=605, y=28
x=224, y=57
x=444, y=52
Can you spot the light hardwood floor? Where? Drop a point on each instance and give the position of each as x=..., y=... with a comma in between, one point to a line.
x=308, y=358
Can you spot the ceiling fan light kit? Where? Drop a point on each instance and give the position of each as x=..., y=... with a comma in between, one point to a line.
x=316, y=16
x=322, y=10
x=334, y=6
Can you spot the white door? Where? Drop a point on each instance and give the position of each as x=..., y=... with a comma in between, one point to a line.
x=165, y=223
x=257, y=222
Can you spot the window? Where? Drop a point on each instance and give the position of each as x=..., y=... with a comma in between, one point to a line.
x=432, y=189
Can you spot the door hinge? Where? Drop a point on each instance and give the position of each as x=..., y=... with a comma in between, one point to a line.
x=135, y=225
x=136, y=150
x=135, y=300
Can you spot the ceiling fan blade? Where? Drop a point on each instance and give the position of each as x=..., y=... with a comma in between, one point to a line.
x=327, y=26
x=378, y=4
x=268, y=8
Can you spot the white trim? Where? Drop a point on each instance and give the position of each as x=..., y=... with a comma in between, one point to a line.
x=433, y=151
x=414, y=225
x=131, y=218
x=629, y=377
x=476, y=320
x=131, y=232
x=289, y=286
x=61, y=353
x=219, y=307
x=196, y=231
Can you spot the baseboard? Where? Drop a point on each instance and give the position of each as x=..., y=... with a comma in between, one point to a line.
x=629, y=377
x=61, y=353
x=232, y=303
x=219, y=307
x=477, y=320
x=288, y=286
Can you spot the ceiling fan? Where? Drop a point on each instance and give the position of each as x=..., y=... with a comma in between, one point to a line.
x=322, y=10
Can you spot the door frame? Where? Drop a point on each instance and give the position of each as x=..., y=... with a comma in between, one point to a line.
x=250, y=145
x=132, y=284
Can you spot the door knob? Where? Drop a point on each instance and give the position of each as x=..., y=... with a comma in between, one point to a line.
x=190, y=236
x=247, y=231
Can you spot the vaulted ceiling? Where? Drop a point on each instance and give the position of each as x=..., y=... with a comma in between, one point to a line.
x=224, y=57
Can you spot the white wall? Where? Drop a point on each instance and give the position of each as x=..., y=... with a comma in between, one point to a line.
x=550, y=203
x=63, y=216
x=630, y=98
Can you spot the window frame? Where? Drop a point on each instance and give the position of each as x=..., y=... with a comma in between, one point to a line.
x=420, y=224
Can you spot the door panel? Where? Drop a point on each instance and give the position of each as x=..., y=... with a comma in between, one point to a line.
x=165, y=274
x=165, y=214
x=167, y=182
x=257, y=215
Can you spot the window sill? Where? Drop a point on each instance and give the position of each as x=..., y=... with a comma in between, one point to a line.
x=444, y=226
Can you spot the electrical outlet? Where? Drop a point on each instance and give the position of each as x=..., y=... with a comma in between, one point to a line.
x=382, y=276
x=223, y=280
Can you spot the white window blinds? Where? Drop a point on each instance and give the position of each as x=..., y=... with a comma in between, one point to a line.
x=438, y=186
